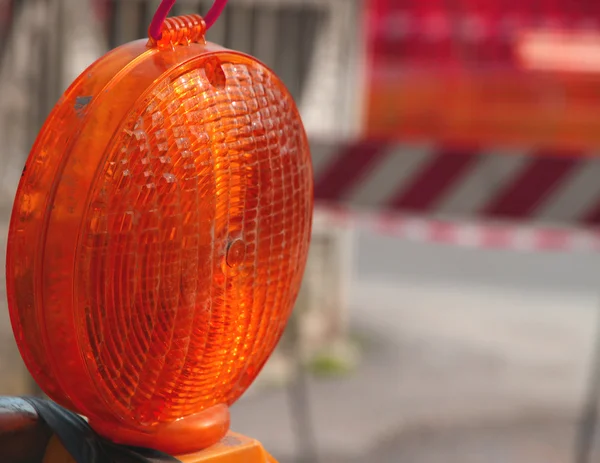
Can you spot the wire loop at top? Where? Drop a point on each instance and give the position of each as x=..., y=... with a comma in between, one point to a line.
x=155, y=29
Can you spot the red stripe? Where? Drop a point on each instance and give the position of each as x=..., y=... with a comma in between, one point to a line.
x=388, y=224
x=434, y=180
x=352, y=163
x=443, y=232
x=548, y=239
x=496, y=237
x=592, y=217
x=541, y=177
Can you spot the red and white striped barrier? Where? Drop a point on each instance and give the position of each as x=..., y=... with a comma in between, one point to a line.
x=524, y=185
x=488, y=235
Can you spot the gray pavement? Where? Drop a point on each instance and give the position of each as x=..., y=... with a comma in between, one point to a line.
x=473, y=357
x=533, y=441
x=393, y=259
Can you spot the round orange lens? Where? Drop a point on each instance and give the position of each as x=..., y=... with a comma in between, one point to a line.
x=160, y=233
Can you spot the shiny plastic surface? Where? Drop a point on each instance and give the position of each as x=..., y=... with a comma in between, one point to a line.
x=159, y=236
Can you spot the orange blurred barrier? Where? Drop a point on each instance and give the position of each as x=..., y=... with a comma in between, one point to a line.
x=488, y=74
x=488, y=108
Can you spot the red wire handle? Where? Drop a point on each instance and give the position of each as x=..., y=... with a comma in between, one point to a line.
x=155, y=29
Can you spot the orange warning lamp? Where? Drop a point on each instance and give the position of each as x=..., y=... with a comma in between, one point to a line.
x=159, y=237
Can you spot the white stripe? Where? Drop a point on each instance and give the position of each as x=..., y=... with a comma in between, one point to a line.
x=416, y=229
x=575, y=196
x=580, y=240
x=323, y=154
x=492, y=172
x=523, y=239
x=398, y=168
x=468, y=235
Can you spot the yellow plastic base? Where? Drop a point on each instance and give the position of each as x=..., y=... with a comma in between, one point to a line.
x=234, y=448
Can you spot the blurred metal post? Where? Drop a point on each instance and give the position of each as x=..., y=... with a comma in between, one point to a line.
x=81, y=41
x=298, y=387
x=20, y=81
x=7, y=15
x=328, y=106
x=587, y=432
x=126, y=20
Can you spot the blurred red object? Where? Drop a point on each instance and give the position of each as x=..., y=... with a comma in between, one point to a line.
x=478, y=72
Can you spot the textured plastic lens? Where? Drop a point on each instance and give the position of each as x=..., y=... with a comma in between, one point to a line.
x=193, y=242
x=160, y=234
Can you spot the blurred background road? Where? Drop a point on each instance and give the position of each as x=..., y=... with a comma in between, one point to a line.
x=470, y=356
